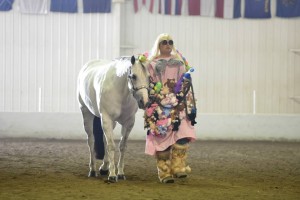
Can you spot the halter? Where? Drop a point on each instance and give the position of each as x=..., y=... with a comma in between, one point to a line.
x=133, y=88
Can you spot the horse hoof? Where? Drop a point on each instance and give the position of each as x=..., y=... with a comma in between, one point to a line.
x=168, y=179
x=180, y=175
x=112, y=179
x=92, y=174
x=121, y=177
x=103, y=172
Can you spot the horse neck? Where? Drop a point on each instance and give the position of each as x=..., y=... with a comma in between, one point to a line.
x=121, y=86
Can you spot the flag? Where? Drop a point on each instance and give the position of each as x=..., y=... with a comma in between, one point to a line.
x=96, y=6
x=138, y=4
x=167, y=7
x=257, y=9
x=201, y=7
x=288, y=9
x=69, y=6
x=6, y=5
x=228, y=9
x=33, y=6
x=178, y=7
x=171, y=7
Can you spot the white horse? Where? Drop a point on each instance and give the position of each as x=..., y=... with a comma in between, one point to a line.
x=110, y=92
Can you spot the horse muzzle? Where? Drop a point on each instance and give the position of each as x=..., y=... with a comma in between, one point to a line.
x=141, y=96
x=142, y=104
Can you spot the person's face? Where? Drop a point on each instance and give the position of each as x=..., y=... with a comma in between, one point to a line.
x=165, y=46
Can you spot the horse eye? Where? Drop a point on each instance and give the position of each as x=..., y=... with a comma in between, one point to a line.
x=133, y=76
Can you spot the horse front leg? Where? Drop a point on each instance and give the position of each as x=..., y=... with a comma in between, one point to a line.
x=108, y=126
x=126, y=129
x=104, y=168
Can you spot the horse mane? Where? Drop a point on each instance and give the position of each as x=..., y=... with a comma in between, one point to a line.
x=122, y=65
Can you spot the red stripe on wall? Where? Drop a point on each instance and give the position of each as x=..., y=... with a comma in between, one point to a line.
x=170, y=7
x=135, y=5
x=151, y=6
x=220, y=9
x=194, y=7
x=159, y=7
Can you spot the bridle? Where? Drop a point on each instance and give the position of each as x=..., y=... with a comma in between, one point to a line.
x=134, y=88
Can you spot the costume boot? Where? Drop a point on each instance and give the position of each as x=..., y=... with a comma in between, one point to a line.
x=164, y=167
x=179, y=169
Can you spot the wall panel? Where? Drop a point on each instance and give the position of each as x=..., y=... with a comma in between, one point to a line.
x=41, y=55
x=232, y=58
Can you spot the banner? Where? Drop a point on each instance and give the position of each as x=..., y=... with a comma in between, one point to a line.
x=166, y=7
x=288, y=9
x=201, y=7
x=138, y=4
x=96, y=6
x=69, y=6
x=33, y=6
x=228, y=9
x=257, y=9
x=172, y=7
x=6, y=5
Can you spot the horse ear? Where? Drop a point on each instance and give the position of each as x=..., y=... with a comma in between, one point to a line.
x=132, y=60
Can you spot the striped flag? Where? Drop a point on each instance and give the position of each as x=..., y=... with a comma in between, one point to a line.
x=6, y=5
x=257, y=9
x=96, y=6
x=178, y=7
x=228, y=9
x=166, y=7
x=172, y=7
x=138, y=4
x=69, y=6
x=201, y=7
x=288, y=9
x=33, y=6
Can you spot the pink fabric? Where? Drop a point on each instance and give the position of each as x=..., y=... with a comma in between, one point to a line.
x=154, y=143
x=186, y=130
x=171, y=72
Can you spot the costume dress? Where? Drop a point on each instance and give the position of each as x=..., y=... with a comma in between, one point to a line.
x=164, y=70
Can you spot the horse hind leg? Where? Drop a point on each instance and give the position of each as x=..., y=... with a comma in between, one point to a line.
x=88, y=120
x=98, y=135
x=100, y=146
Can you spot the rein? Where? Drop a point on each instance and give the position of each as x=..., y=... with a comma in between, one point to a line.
x=189, y=86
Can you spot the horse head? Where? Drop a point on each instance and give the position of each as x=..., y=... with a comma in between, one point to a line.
x=139, y=79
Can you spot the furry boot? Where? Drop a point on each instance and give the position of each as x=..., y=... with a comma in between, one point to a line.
x=179, y=169
x=164, y=167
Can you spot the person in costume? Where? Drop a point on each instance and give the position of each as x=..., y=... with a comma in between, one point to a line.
x=170, y=115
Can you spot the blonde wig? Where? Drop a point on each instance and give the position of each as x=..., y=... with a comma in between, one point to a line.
x=155, y=52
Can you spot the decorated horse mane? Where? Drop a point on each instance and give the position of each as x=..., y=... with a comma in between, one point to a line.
x=123, y=65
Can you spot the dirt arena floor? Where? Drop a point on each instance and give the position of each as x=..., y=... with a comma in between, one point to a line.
x=57, y=169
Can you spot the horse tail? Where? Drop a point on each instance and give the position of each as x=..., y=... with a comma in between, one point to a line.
x=98, y=135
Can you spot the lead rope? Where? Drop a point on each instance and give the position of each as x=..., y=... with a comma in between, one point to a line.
x=190, y=86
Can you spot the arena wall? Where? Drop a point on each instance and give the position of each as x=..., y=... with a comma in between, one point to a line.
x=246, y=79
x=208, y=127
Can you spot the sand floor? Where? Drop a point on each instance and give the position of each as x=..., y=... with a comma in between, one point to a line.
x=57, y=169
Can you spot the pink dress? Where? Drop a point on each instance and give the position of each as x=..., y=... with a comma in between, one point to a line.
x=163, y=70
